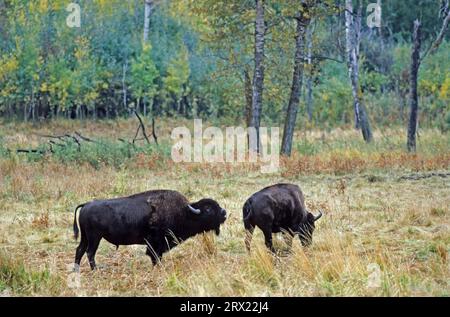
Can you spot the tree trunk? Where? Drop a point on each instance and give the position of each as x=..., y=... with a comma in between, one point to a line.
x=353, y=29
x=303, y=20
x=124, y=88
x=148, y=12
x=258, y=76
x=33, y=106
x=416, y=61
x=248, y=97
x=414, y=100
x=309, y=84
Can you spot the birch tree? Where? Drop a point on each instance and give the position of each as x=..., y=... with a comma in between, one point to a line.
x=148, y=12
x=303, y=20
x=258, y=75
x=309, y=83
x=353, y=32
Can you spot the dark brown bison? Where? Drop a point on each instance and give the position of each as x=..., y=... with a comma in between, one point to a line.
x=159, y=219
x=279, y=208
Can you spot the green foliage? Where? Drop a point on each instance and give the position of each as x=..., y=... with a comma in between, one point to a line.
x=144, y=74
x=306, y=147
x=333, y=95
x=3, y=150
x=198, y=54
x=178, y=75
x=100, y=153
x=446, y=122
x=18, y=279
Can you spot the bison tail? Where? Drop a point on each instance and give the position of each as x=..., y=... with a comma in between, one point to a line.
x=247, y=211
x=75, y=225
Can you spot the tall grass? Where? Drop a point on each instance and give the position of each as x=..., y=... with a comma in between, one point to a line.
x=15, y=278
x=381, y=234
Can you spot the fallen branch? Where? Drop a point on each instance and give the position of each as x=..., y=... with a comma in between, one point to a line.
x=51, y=136
x=425, y=176
x=85, y=138
x=142, y=126
x=154, y=131
x=137, y=133
x=30, y=151
x=62, y=138
x=57, y=144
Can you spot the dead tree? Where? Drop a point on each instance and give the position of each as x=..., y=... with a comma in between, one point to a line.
x=414, y=100
x=416, y=62
x=142, y=127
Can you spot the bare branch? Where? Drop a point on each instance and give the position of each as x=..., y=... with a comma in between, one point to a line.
x=435, y=44
x=142, y=126
x=154, y=131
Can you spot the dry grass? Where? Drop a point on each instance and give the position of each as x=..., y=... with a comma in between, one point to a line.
x=380, y=236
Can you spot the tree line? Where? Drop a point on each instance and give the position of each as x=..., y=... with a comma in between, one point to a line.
x=249, y=60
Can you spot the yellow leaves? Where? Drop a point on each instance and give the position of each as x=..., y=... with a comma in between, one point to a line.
x=146, y=48
x=102, y=3
x=8, y=90
x=21, y=17
x=43, y=6
x=79, y=53
x=91, y=96
x=429, y=87
x=7, y=66
x=106, y=7
x=444, y=91
x=82, y=47
x=44, y=87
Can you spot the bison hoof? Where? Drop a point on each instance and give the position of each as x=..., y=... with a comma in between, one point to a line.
x=76, y=268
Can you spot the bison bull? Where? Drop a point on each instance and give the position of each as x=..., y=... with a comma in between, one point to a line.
x=159, y=219
x=279, y=208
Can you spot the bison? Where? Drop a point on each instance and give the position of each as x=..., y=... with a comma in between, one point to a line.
x=159, y=219
x=279, y=208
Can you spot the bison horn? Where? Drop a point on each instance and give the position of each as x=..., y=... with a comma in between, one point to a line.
x=195, y=211
x=318, y=216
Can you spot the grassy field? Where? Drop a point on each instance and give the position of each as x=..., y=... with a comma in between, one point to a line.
x=385, y=232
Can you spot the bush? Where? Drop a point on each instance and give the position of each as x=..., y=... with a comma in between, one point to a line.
x=3, y=150
x=15, y=277
x=100, y=153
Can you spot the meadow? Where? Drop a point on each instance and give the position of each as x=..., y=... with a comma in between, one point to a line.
x=385, y=230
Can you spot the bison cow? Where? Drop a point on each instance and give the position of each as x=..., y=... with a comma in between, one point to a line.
x=159, y=219
x=279, y=208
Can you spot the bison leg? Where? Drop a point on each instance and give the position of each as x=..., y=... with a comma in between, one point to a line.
x=154, y=255
x=268, y=238
x=155, y=247
x=80, y=251
x=288, y=238
x=248, y=236
x=93, y=242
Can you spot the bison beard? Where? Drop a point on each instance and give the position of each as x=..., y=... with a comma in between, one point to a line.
x=159, y=219
x=279, y=208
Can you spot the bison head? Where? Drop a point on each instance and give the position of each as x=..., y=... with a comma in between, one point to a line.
x=307, y=228
x=208, y=214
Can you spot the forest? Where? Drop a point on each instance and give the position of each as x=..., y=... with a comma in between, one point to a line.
x=91, y=92
x=197, y=60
